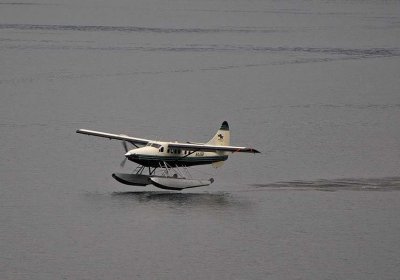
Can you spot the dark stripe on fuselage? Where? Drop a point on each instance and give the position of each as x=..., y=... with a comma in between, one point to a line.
x=154, y=161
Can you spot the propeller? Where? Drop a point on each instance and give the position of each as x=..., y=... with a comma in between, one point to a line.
x=122, y=164
x=125, y=146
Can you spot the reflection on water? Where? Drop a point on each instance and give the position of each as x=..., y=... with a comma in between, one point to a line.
x=177, y=198
x=220, y=200
x=357, y=184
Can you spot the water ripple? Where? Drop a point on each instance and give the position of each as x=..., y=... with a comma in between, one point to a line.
x=57, y=76
x=349, y=52
x=356, y=184
x=102, y=28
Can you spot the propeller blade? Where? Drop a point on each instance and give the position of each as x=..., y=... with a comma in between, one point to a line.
x=125, y=146
x=122, y=164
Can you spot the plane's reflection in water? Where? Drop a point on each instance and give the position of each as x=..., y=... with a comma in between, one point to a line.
x=356, y=184
x=218, y=200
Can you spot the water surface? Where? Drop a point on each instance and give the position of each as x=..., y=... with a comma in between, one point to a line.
x=313, y=85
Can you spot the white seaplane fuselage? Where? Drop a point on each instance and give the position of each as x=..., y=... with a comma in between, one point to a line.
x=157, y=154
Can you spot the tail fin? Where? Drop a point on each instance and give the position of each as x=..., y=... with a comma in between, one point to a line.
x=222, y=137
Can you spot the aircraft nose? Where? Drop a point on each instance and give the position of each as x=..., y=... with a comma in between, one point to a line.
x=130, y=155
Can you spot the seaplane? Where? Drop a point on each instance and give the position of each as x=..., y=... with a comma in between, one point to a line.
x=165, y=164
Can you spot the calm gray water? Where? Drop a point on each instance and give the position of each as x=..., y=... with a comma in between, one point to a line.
x=313, y=84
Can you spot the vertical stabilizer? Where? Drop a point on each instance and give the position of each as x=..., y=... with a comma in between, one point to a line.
x=222, y=137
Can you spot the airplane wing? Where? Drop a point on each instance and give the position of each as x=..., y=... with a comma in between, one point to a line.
x=188, y=146
x=211, y=148
x=122, y=137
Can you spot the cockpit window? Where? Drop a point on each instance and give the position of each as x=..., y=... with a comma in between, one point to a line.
x=155, y=145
